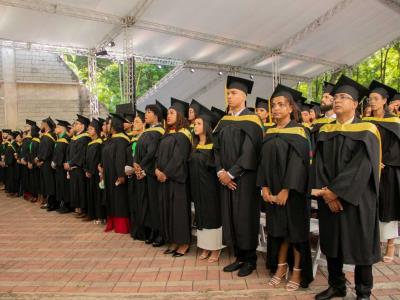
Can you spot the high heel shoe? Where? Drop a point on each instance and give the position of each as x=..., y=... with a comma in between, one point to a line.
x=388, y=259
x=169, y=251
x=212, y=259
x=178, y=254
x=276, y=280
x=292, y=286
x=204, y=255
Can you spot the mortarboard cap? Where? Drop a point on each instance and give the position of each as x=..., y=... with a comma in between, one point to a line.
x=63, y=123
x=382, y=89
x=328, y=87
x=49, y=122
x=350, y=87
x=180, y=106
x=30, y=122
x=262, y=103
x=242, y=84
x=283, y=90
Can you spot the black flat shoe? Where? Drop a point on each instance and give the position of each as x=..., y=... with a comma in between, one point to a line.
x=233, y=266
x=169, y=251
x=177, y=254
x=330, y=293
x=246, y=269
x=158, y=242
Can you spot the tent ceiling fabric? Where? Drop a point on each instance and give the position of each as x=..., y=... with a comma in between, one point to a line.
x=310, y=36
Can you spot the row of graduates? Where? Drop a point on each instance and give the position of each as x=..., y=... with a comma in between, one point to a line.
x=150, y=178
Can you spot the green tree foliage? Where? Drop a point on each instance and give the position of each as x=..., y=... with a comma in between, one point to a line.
x=108, y=77
x=383, y=65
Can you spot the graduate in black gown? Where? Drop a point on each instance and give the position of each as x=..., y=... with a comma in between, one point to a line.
x=59, y=159
x=43, y=161
x=193, y=113
x=146, y=184
x=3, y=146
x=204, y=187
x=33, y=169
x=389, y=192
x=115, y=183
x=262, y=110
x=11, y=156
x=95, y=209
x=237, y=142
x=26, y=141
x=75, y=163
x=347, y=163
x=172, y=174
x=135, y=202
x=283, y=177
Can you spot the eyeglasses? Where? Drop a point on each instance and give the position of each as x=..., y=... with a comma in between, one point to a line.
x=341, y=97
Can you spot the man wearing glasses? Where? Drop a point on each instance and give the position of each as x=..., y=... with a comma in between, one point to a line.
x=347, y=166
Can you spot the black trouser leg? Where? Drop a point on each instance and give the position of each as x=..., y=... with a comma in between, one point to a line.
x=249, y=256
x=336, y=278
x=364, y=280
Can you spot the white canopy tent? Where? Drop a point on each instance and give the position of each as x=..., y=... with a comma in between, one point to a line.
x=300, y=39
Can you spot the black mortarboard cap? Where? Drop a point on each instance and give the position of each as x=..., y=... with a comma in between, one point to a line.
x=180, y=106
x=96, y=124
x=303, y=106
x=283, y=90
x=251, y=109
x=117, y=117
x=328, y=87
x=30, y=122
x=83, y=120
x=242, y=84
x=262, y=103
x=129, y=117
x=7, y=131
x=350, y=87
x=208, y=116
x=382, y=89
x=101, y=120
x=63, y=123
x=164, y=110
x=395, y=97
x=49, y=122
x=196, y=106
x=15, y=134
x=140, y=114
x=218, y=112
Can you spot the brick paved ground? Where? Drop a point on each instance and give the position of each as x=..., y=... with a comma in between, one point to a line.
x=51, y=256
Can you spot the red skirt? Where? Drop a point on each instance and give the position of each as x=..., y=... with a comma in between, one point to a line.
x=119, y=225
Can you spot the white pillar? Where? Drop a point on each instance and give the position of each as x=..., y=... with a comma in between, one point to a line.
x=9, y=87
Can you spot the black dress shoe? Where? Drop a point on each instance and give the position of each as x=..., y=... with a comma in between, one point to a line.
x=158, y=242
x=151, y=238
x=330, y=293
x=233, y=266
x=177, y=254
x=51, y=208
x=246, y=269
x=44, y=206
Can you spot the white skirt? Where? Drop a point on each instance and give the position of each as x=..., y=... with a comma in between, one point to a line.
x=210, y=239
x=389, y=230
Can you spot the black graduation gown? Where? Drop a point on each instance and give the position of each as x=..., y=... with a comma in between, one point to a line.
x=146, y=190
x=76, y=159
x=95, y=209
x=389, y=189
x=237, y=142
x=285, y=164
x=3, y=146
x=24, y=153
x=347, y=162
x=134, y=201
x=45, y=155
x=204, y=187
x=11, y=162
x=172, y=155
x=114, y=162
x=34, y=173
x=59, y=158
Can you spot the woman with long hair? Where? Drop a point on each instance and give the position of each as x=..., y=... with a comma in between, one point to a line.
x=172, y=173
x=204, y=186
x=389, y=189
x=283, y=177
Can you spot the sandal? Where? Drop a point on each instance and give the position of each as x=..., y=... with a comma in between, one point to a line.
x=204, y=255
x=388, y=259
x=292, y=286
x=276, y=280
x=214, y=259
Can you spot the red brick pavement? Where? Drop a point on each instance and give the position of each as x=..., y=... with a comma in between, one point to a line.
x=47, y=255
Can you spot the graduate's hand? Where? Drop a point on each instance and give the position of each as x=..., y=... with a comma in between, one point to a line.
x=335, y=206
x=39, y=163
x=120, y=180
x=66, y=166
x=88, y=175
x=137, y=168
x=232, y=185
x=30, y=166
x=224, y=178
x=266, y=194
x=382, y=165
x=328, y=195
x=317, y=192
x=282, y=197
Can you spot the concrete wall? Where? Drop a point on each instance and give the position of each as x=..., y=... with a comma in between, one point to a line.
x=34, y=85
